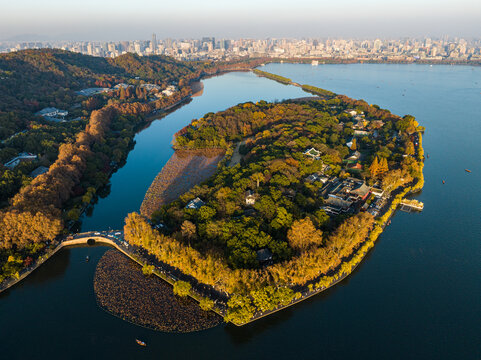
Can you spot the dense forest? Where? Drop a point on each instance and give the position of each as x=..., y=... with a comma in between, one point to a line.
x=34, y=79
x=77, y=155
x=267, y=203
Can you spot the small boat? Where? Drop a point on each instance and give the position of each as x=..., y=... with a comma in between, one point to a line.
x=443, y=181
x=428, y=156
x=140, y=342
x=467, y=170
x=87, y=258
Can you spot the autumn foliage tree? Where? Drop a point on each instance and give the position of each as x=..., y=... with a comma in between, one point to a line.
x=304, y=234
x=383, y=166
x=354, y=144
x=374, y=168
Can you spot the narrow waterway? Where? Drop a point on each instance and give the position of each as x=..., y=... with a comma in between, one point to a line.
x=416, y=295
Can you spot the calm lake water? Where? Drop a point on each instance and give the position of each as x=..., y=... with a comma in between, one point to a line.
x=416, y=296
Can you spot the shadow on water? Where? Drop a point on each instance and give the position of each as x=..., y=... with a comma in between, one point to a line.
x=50, y=271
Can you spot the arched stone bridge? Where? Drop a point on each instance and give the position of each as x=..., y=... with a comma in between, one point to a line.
x=114, y=238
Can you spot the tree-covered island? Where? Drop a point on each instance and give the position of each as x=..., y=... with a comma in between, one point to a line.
x=317, y=181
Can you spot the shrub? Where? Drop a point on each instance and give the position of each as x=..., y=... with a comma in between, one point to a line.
x=148, y=269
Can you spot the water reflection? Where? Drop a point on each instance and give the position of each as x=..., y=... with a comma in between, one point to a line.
x=416, y=295
x=52, y=270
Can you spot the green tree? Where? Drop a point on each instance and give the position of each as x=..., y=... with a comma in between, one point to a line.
x=283, y=296
x=148, y=269
x=239, y=309
x=182, y=288
x=258, y=178
x=282, y=220
x=264, y=298
x=206, y=213
x=322, y=218
x=206, y=304
x=410, y=148
x=73, y=214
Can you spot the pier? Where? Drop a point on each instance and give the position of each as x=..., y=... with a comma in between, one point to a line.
x=411, y=205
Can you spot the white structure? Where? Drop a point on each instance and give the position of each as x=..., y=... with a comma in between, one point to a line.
x=92, y=91
x=250, y=197
x=361, y=133
x=122, y=85
x=52, y=112
x=197, y=203
x=39, y=171
x=313, y=153
x=356, y=155
x=24, y=156
x=170, y=90
x=150, y=87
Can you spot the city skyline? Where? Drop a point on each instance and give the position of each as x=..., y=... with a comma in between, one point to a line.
x=92, y=21
x=211, y=48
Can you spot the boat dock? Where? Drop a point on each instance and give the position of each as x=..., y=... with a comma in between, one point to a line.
x=411, y=205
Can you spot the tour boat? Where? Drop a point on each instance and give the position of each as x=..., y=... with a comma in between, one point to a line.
x=141, y=343
x=467, y=170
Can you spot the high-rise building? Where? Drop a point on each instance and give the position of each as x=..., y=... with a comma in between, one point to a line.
x=90, y=49
x=209, y=40
x=153, y=44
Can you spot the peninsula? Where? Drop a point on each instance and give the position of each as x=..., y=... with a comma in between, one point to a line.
x=317, y=181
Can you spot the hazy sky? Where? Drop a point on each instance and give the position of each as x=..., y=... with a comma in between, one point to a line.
x=137, y=19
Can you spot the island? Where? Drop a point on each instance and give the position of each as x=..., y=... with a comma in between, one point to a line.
x=302, y=193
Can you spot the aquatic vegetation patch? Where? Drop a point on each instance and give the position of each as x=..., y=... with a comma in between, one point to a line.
x=123, y=290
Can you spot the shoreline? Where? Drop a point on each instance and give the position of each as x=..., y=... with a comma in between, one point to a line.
x=197, y=88
x=343, y=61
x=363, y=249
x=337, y=278
x=183, y=171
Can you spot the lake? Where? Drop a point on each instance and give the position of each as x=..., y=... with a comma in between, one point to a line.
x=415, y=296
